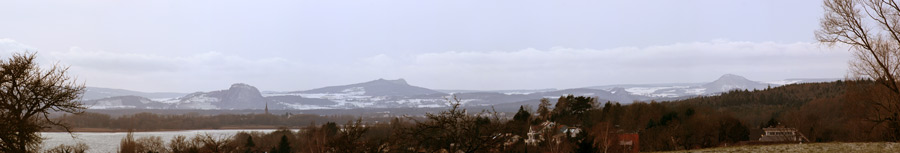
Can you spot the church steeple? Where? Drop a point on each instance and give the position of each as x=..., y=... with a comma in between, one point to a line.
x=267, y=108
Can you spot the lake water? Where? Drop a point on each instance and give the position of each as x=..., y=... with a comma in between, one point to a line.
x=108, y=142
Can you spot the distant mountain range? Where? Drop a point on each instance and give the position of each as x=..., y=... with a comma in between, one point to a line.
x=98, y=93
x=398, y=93
x=724, y=83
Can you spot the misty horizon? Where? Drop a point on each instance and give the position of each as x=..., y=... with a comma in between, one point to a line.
x=167, y=46
x=288, y=76
x=771, y=82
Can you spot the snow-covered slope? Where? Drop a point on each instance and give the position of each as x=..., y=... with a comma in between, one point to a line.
x=399, y=94
x=724, y=83
x=801, y=80
x=380, y=87
x=379, y=93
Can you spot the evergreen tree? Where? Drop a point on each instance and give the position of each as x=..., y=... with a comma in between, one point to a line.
x=284, y=146
x=561, y=109
x=522, y=115
x=249, y=145
x=330, y=128
x=772, y=122
x=586, y=143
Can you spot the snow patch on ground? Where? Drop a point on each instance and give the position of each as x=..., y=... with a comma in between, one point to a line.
x=110, y=107
x=783, y=82
x=431, y=106
x=646, y=91
x=518, y=93
x=303, y=107
x=696, y=91
x=167, y=100
x=201, y=99
x=671, y=91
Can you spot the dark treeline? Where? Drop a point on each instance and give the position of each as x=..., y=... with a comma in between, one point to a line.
x=572, y=124
x=823, y=112
x=759, y=106
x=151, y=122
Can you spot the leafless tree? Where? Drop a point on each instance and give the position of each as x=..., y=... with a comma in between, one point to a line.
x=871, y=28
x=180, y=144
x=851, y=22
x=349, y=138
x=80, y=147
x=455, y=130
x=27, y=97
x=212, y=143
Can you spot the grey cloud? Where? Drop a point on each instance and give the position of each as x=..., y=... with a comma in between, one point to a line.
x=557, y=67
x=682, y=62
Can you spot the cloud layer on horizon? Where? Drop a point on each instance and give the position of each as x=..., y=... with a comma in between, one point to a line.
x=557, y=67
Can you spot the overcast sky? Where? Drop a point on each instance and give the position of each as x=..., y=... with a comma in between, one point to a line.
x=186, y=46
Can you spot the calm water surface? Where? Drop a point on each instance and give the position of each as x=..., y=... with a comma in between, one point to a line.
x=108, y=142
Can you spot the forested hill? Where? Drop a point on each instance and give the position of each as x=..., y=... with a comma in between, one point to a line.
x=759, y=106
x=830, y=111
x=823, y=112
x=788, y=95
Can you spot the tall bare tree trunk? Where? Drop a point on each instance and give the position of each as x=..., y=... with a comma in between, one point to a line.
x=871, y=29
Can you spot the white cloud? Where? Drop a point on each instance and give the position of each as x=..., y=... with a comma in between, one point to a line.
x=8, y=46
x=111, y=62
x=557, y=67
x=150, y=63
x=152, y=72
x=203, y=71
x=572, y=67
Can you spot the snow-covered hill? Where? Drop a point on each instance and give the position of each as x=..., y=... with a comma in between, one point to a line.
x=724, y=83
x=398, y=93
x=379, y=93
x=380, y=87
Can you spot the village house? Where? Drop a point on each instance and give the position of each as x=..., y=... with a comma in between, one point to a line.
x=782, y=134
x=629, y=142
x=535, y=132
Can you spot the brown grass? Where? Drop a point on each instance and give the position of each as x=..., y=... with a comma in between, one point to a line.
x=835, y=147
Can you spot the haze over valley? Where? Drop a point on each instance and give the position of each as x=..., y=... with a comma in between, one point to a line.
x=399, y=93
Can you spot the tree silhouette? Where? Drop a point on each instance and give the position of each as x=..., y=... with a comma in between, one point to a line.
x=249, y=145
x=284, y=146
x=871, y=28
x=27, y=97
x=455, y=130
x=544, y=110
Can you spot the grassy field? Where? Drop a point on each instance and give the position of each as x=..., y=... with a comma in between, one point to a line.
x=836, y=147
